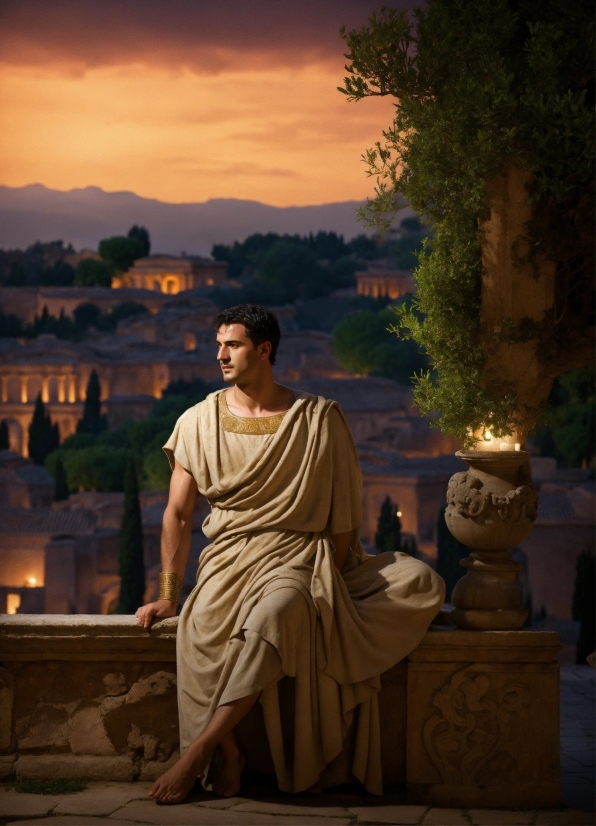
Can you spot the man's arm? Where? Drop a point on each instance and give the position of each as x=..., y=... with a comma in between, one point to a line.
x=341, y=543
x=175, y=539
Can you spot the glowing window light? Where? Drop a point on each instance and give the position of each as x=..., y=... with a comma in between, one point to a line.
x=13, y=602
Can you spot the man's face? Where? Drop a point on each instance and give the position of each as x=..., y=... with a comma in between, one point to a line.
x=239, y=359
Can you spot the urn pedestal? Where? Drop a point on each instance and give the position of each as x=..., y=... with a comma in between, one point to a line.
x=490, y=508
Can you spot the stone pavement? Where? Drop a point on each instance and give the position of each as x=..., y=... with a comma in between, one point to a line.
x=126, y=804
x=120, y=804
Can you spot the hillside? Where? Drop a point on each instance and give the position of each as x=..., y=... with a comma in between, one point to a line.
x=84, y=216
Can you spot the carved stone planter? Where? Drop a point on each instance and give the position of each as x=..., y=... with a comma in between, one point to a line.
x=490, y=508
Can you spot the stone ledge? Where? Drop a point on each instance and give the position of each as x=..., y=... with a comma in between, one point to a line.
x=30, y=637
x=450, y=645
x=95, y=637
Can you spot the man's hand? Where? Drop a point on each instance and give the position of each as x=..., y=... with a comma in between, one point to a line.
x=160, y=609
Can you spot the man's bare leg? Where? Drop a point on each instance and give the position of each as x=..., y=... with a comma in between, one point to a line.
x=227, y=782
x=175, y=784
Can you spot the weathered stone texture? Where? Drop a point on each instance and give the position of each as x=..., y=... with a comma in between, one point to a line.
x=469, y=720
x=84, y=767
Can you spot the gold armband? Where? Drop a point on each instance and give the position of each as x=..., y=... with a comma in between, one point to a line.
x=170, y=586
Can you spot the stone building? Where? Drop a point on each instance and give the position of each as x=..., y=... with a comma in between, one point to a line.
x=63, y=557
x=132, y=375
x=134, y=365
x=385, y=283
x=563, y=530
x=172, y=274
x=28, y=302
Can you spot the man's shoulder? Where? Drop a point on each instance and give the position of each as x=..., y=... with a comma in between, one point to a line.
x=322, y=405
x=192, y=413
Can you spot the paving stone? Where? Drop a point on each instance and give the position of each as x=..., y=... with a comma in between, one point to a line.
x=77, y=820
x=389, y=814
x=101, y=798
x=188, y=813
x=274, y=808
x=570, y=817
x=445, y=817
x=499, y=817
x=13, y=804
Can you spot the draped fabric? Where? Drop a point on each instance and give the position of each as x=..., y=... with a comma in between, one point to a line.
x=269, y=601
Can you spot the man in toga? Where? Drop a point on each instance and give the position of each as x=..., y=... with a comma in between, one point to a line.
x=285, y=593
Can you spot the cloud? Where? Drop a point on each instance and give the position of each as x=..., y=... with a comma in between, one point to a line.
x=205, y=36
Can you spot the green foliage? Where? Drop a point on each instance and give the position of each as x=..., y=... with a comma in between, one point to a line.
x=584, y=605
x=86, y=315
x=4, y=435
x=44, y=437
x=92, y=273
x=120, y=252
x=62, y=327
x=10, y=326
x=126, y=309
x=449, y=553
x=292, y=269
x=569, y=435
x=141, y=234
x=388, y=536
x=55, y=787
x=479, y=84
x=93, y=421
x=61, y=491
x=40, y=264
x=282, y=268
x=363, y=344
x=156, y=469
x=99, y=468
x=97, y=460
x=132, y=567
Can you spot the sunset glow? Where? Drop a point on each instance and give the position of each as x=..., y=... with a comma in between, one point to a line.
x=179, y=130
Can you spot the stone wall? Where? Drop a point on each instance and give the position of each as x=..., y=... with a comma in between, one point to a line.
x=470, y=719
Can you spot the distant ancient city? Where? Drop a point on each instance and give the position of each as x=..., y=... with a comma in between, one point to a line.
x=101, y=350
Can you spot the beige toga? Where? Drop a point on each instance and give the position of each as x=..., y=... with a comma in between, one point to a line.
x=269, y=602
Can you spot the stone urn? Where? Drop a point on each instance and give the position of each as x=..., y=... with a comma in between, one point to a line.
x=491, y=508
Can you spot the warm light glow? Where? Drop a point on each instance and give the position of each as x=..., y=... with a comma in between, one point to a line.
x=487, y=436
x=13, y=602
x=517, y=446
x=284, y=136
x=32, y=581
x=399, y=513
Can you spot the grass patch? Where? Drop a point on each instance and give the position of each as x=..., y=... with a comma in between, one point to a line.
x=50, y=786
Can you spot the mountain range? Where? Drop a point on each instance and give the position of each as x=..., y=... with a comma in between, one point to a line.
x=83, y=217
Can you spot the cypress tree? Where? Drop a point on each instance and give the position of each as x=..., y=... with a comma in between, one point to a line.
x=44, y=437
x=388, y=535
x=132, y=567
x=92, y=421
x=4, y=435
x=61, y=490
x=584, y=605
x=449, y=553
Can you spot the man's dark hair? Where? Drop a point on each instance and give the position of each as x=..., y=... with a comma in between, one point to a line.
x=260, y=324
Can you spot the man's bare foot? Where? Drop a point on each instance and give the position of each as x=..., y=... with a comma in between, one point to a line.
x=175, y=784
x=228, y=780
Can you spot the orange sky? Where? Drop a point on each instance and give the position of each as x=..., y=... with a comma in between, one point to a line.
x=184, y=101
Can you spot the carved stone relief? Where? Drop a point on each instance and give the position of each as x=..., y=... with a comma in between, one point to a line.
x=468, y=739
x=469, y=497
